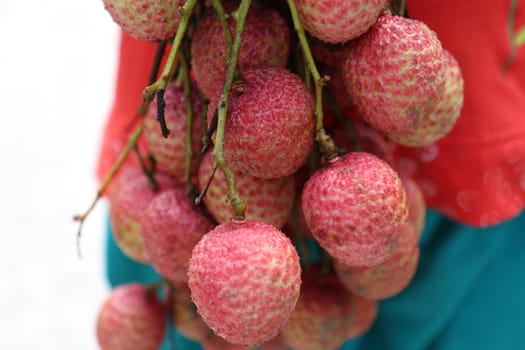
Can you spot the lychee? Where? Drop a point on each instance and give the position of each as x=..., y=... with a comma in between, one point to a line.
x=438, y=124
x=395, y=73
x=131, y=319
x=170, y=152
x=148, y=20
x=171, y=227
x=184, y=313
x=324, y=315
x=337, y=21
x=245, y=279
x=265, y=42
x=129, y=200
x=355, y=207
x=267, y=200
x=388, y=278
x=270, y=126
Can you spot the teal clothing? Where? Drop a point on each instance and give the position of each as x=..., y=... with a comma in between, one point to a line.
x=468, y=291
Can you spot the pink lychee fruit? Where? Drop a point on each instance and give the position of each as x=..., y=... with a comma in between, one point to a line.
x=386, y=279
x=265, y=42
x=171, y=227
x=245, y=279
x=416, y=205
x=267, y=200
x=129, y=200
x=442, y=119
x=148, y=20
x=395, y=73
x=131, y=319
x=355, y=207
x=170, y=152
x=337, y=21
x=324, y=315
x=270, y=126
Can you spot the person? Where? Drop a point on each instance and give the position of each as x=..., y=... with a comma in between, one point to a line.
x=469, y=289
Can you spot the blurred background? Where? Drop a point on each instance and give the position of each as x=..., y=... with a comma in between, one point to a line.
x=57, y=67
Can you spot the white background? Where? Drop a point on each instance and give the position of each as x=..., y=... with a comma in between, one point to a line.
x=57, y=69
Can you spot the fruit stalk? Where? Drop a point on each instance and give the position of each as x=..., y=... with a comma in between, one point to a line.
x=184, y=72
x=149, y=92
x=325, y=141
x=239, y=206
x=400, y=7
x=221, y=15
x=148, y=171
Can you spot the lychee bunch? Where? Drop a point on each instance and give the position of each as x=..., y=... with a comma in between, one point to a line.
x=336, y=21
x=131, y=319
x=245, y=278
x=441, y=120
x=169, y=152
x=270, y=127
x=171, y=227
x=265, y=42
x=267, y=200
x=355, y=207
x=395, y=73
x=148, y=20
x=129, y=200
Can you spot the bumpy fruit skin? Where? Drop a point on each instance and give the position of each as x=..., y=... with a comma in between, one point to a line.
x=395, y=73
x=245, y=280
x=130, y=319
x=438, y=124
x=267, y=200
x=148, y=20
x=355, y=207
x=129, y=200
x=265, y=42
x=325, y=314
x=389, y=278
x=270, y=126
x=171, y=227
x=336, y=21
x=169, y=152
x=416, y=205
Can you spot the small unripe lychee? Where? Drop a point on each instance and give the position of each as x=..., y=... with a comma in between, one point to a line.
x=245, y=279
x=148, y=20
x=131, y=319
x=355, y=207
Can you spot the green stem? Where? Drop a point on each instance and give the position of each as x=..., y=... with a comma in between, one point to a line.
x=399, y=7
x=239, y=206
x=343, y=120
x=148, y=171
x=221, y=15
x=510, y=27
x=325, y=141
x=149, y=92
x=184, y=71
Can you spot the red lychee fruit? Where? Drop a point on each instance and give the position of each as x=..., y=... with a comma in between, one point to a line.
x=355, y=207
x=270, y=126
x=171, y=227
x=265, y=42
x=416, y=205
x=129, y=200
x=148, y=20
x=386, y=279
x=169, y=153
x=324, y=315
x=131, y=319
x=337, y=21
x=267, y=200
x=245, y=279
x=438, y=124
x=395, y=73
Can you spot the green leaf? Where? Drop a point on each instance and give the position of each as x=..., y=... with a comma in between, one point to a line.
x=519, y=39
